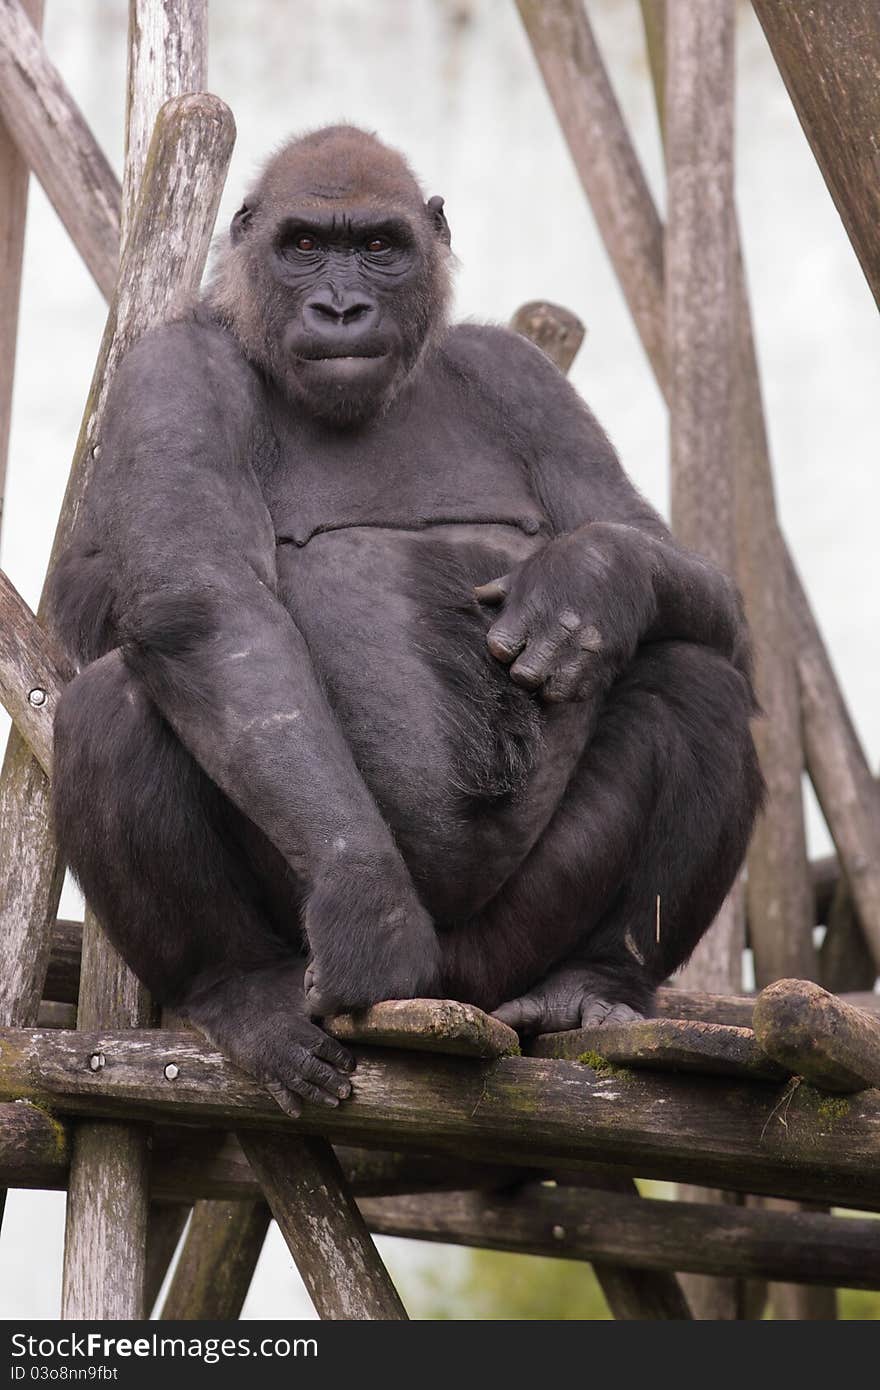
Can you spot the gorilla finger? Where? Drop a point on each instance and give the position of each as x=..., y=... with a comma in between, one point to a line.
x=594, y=1011
x=506, y=638
x=572, y=680
x=320, y=1073
x=525, y=1014
x=297, y=1083
x=495, y=591
x=622, y=1013
x=289, y=1103
x=329, y=1049
x=532, y=665
x=320, y=1005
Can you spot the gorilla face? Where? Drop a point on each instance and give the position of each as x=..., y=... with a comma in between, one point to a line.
x=335, y=279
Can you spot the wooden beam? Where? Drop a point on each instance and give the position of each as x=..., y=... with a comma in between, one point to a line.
x=55, y=142
x=217, y=1263
x=665, y=1044
x=556, y=331
x=828, y=54
x=805, y=1247
x=784, y=1140
x=324, y=1230
x=427, y=1025
x=165, y=1224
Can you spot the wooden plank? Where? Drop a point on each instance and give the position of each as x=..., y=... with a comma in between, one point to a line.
x=33, y=672
x=106, y=1230
x=55, y=142
x=324, y=1230
x=828, y=54
x=14, y=178
x=785, y=1140
x=217, y=1262
x=427, y=1025
x=645, y=1233
x=665, y=1044
x=816, y=1035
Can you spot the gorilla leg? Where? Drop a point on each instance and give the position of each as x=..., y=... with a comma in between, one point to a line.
x=660, y=808
x=194, y=897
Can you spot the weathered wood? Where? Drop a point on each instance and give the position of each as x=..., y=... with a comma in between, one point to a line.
x=201, y=1164
x=165, y=1224
x=33, y=672
x=167, y=57
x=845, y=959
x=14, y=178
x=645, y=1233
x=217, y=1262
x=106, y=1230
x=847, y=791
x=604, y=158
x=785, y=1140
x=556, y=331
x=818, y=1036
x=324, y=1230
x=58, y=146
x=427, y=1025
x=733, y=1009
x=54, y=1015
x=828, y=54
x=104, y=1269
x=700, y=290
x=62, y=976
x=665, y=1044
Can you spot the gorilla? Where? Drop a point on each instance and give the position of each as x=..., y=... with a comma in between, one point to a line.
x=390, y=684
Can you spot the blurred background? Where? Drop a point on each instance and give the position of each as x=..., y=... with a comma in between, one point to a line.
x=453, y=84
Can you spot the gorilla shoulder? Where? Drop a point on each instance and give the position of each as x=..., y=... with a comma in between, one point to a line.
x=505, y=363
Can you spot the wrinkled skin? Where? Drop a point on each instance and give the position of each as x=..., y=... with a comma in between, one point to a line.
x=391, y=684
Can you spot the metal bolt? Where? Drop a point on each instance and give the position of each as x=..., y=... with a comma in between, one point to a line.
x=97, y=1061
x=37, y=697
x=96, y=451
x=171, y=1072
x=559, y=1233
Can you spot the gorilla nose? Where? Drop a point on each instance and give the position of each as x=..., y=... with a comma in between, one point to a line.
x=340, y=316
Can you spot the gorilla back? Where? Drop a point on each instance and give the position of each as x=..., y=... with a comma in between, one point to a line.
x=391, y=682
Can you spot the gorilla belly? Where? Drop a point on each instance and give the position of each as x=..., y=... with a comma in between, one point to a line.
x=466, y=767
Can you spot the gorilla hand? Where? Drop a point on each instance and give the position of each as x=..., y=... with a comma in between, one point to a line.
x=573, y=613
x=371, y=939
x=258, y=1018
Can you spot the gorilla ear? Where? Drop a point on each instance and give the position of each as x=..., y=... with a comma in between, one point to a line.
x=240, y=223
x=438, y=217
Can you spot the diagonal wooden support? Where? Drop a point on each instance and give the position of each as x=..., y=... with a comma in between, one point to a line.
x=217, y=1262
x=54, y=140
x=828, y=53
x=326, y=1234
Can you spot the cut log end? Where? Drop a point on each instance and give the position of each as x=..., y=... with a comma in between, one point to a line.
x=819, y=1036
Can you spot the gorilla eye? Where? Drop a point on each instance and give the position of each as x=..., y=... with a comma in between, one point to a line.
x=305, y=243
x=378, y=243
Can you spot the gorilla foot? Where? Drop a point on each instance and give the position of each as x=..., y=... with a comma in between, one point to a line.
x=259, y=1020
x=572, y=996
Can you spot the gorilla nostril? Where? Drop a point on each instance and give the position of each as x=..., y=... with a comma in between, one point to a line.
x=354, y=313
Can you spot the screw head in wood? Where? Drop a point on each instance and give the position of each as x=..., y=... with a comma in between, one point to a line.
x=171, y=1072
x=96, y=451
x=97, y=1061
x=37, y=697
x=559, y=1233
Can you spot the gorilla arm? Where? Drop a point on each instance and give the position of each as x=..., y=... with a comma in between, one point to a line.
x=179, y=512
x=574, y=613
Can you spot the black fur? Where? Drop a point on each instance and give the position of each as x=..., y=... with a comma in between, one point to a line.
x=385, y=660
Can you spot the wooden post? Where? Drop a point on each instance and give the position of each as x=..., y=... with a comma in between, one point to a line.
x=162, y=264
x=323, y=1228
x=14, y=176
x=217, y=1262
x=56, y=143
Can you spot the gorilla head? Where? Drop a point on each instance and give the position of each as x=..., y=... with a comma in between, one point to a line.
x=335, y=276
